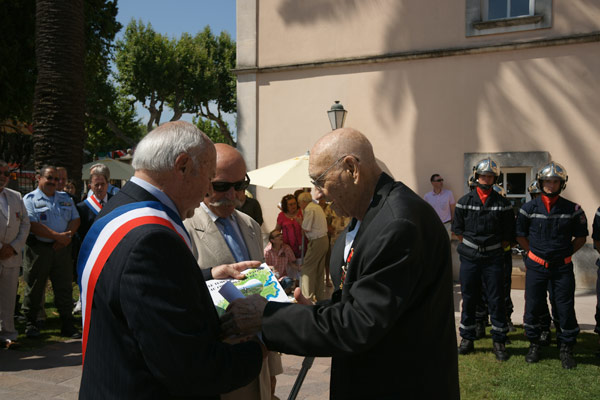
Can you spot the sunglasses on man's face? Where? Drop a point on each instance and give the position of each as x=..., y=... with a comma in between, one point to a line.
x=237, y=186
x=52, y=178
x=438, y=180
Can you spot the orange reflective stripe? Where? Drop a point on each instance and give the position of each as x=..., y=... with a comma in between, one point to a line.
x=543, y=262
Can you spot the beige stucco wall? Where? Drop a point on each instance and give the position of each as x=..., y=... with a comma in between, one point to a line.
x=292, y=31
x=422, y=116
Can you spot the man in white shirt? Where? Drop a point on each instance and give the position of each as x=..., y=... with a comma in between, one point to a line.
x=314, y=224
x=441, y=200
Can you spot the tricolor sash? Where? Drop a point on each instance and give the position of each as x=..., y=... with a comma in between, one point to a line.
x=93, y=204
x=104, y=236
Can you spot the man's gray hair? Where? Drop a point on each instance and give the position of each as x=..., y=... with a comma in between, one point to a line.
x=305, y=197
x=159, y=149
x=3, y=163
x=101, y=170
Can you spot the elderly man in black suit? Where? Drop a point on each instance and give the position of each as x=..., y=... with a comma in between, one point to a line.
x=150, y=327
x=390, y=326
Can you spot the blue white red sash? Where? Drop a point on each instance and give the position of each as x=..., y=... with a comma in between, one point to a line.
x=104, y=236
x=93, y=204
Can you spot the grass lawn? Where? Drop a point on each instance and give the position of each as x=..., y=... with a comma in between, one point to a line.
x=50, y=333
x=482, y=377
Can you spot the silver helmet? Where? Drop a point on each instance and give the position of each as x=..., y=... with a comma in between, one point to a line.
x=486, y=166
x=500, y=190
x=553, y=170
x=472, y=182
x=534, y=187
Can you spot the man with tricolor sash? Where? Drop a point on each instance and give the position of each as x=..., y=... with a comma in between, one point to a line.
x=92, y=205
x=150, y=327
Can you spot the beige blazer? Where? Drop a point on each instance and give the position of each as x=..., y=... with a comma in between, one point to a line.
x=14, y=226
x=209, y=246
x=211, y=250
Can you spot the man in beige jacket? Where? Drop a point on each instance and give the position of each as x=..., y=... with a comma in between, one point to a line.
x=223, y=235
x=14, y=228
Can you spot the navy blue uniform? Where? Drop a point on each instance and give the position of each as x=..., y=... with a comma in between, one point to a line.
x=596, y=237
x=550, y=237
x=484, y=228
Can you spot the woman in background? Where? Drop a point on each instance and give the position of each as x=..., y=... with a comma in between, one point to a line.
x=289, y=222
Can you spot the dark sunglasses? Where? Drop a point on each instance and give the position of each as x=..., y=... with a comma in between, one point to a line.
x=225, y=186
x=52, y=178
x=438, y=180
x=6, y=173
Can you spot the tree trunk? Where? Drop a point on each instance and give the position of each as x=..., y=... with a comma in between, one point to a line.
x=59, y=102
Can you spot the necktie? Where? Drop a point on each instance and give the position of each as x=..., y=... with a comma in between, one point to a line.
x=236, y=244
x=101, y=203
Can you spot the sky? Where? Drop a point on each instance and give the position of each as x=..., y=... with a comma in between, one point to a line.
x=174, y=17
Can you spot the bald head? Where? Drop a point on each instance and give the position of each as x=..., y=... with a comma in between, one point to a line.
x=231, y=168
x=343, y=165
x=229, y=157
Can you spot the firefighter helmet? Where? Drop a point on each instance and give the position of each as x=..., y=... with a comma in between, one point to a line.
x=534, y=187
x=500, y=190
x=472, y=182
x=553, y=170
x=487, y=166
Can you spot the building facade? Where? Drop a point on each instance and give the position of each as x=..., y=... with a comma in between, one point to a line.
x=435, y=86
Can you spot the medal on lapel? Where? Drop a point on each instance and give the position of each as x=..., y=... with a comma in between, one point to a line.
x=345, y=267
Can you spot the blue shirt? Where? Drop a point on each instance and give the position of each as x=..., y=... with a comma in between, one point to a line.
x=55, y=212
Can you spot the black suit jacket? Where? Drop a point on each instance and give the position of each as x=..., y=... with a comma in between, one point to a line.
x=87, y=217
x=154, y=332
x=390, y=330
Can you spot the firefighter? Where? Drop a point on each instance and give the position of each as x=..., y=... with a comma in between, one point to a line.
x=545, y=319
x=484, y=224
x=481, y=311
x=551, y=229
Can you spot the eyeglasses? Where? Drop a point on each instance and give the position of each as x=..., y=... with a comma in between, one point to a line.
x=438, y=180
x=225, y=186
x=6, y=173
x=317, y=181
x=51, y=178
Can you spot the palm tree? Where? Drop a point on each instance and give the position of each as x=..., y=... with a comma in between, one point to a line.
x=59, y=102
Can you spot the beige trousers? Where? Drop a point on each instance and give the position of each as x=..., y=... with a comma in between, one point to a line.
x=313, y=269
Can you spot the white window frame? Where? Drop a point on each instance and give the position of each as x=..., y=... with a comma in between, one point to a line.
x=528, y=171
x=478, y=25
x=511, y=161
x=485, y=9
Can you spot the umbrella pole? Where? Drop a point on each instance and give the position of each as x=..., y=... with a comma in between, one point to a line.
x=306, y=364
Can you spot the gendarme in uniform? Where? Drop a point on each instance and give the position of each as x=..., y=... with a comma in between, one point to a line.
x=48, y=253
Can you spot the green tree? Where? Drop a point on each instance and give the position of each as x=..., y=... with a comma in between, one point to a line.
x=186, y=74
x=147, y=68
x=111, y=121
x=211, y=129
x=105, y=111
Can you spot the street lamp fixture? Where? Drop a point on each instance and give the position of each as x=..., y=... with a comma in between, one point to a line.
x=337, y=115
